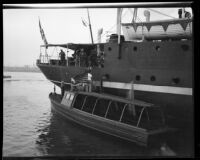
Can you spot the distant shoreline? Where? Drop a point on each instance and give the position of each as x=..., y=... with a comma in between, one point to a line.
x=21, y=69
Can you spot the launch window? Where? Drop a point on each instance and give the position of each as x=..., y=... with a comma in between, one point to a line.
x=101, y=107
x=131, y=114
x=115, y=110
x=79, y=101
x=71, y=97
x=67, y=96
x=89, y=104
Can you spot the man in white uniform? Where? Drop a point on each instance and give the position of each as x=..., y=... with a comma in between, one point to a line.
x=89, y=82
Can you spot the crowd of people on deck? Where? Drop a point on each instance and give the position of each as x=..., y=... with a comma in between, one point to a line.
x=88, y=59
x=84, y=58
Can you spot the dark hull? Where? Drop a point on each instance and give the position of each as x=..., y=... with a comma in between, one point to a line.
x=129, y=133
x=177, y=107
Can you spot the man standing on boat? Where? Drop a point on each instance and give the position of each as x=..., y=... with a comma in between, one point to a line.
x=73, y=82
x=89, y=81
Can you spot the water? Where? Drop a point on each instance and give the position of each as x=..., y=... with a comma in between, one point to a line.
x=31, y=129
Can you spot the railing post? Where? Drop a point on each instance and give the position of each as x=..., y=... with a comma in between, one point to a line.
x=84, y=103
x=95, y=105
x=140, y=116
x=122, y=113
x=107, y=109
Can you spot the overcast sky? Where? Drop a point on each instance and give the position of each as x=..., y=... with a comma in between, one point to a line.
x=21, y=34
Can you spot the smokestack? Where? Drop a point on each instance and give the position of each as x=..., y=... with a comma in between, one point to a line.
x=147, y=15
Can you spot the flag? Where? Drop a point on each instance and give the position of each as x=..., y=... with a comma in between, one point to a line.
x=42, y=34
x=84, y=22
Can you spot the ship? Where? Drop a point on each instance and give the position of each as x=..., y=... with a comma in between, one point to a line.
x=155, y=58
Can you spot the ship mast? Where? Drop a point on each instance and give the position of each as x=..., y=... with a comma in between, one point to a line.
x=118, y=30
x=90, y=26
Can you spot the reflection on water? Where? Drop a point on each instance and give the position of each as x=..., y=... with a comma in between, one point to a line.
x=68, y=138
x=30, y=128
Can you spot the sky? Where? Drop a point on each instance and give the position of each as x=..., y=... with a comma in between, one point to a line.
x=21, y=34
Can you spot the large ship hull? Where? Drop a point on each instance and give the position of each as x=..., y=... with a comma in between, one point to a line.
x=177, y=102
x=161, y=73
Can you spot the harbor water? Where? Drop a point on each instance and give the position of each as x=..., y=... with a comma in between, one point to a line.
x=32, y=129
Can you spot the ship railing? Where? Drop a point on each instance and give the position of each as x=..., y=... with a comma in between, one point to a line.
x=78, y=84
x=44, y=59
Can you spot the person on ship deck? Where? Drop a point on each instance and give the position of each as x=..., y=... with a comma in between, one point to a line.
x=62, y=57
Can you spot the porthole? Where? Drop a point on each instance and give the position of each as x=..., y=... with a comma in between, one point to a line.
x=176, y=80
x=109, y=48
x=134, y=48
x=137, y=77
x=152, y=78
x=157, y=48
x=185, y=47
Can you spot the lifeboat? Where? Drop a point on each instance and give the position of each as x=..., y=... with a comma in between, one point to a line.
x=158, y=30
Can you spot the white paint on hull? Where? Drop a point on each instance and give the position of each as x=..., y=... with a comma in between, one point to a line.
x=147, y=88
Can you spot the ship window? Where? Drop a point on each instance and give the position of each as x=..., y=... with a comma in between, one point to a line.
x=89, y=104
x=135, y=48
x=79, y=101
x=131, y=114
x=157, y=48
x=153, y=78
x=115, y=110
x=109, y=48
x=71, y=97
x=137, y=77
x=101, y=107
x=67, y=96
x=176, y=80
